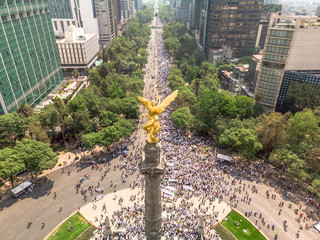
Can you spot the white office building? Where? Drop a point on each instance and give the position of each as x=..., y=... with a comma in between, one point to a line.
x=106, y=22
x=79, y=13
x=78, y=49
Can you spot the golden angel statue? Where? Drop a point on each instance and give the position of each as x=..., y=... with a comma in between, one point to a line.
x=153, y=127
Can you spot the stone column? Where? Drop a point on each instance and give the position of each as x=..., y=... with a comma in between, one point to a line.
x=152, y=167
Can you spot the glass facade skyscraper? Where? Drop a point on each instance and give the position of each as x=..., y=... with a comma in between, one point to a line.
x=291, y=45
x=30, y=66
x=232, y=23
x=60, y=8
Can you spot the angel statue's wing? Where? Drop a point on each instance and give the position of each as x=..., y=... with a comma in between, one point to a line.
x=166, y=102
x=145, y=102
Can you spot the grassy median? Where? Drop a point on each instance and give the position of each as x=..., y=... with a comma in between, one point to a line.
x=245, y=230
x=79, y=225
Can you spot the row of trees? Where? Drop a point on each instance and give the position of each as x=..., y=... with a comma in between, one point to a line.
x=178, y=41
x=290, y=142
x=101, y=114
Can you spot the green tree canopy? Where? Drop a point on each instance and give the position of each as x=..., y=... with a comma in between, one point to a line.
x=245, y=106
x=10, y=164
x=37, y=133
x=185, y=97
x=303, y=127
x=49, y=117
x=272, y=130
x=36, y=156
x=182, y=118
x=175, y=78
x=245, y=140
x=315, y=187
x=25, y=110
x=108, y=118
x=76, y=74
x=12, y=127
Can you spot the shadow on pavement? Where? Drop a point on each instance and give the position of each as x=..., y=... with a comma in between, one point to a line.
x=41, y=187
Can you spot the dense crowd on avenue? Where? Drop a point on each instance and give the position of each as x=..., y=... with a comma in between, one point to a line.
x=193, y=185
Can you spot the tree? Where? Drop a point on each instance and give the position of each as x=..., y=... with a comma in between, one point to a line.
x=129, y=107
x=37, y=133
x=313, y=158
x=104, y=70
x=49, y=118
x=105, y=54
x=189, y=45
x=185, y=97
x=124, y=127
x=223, y=125
x=315, y=187
x=60, y=106
x=245, y=140
x=76, y=104
x=10, y=164
x=25, y=110
x=87, y=71
x=173, y=45
x=303, y=126
x=245, y=106
x=282, y=156
x=90, y=140
x=12, y=127
x=213, y=105
x=115, y=91
x=108, y=118
x=272, y=131
x=37, y=156
x=181, y=118
x=75, y=74
x=107, y=136
x=192, y=73
x=78, y=123
x=245, y=60
x=200, y=57
x=175, y=78
x=297, y=168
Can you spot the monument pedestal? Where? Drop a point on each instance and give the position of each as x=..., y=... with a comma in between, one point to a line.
x=152, y=167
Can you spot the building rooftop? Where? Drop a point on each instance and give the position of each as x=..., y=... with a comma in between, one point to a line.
x=294, y=22
x=76, y=35
x=258, y=56
x=227, y=73
x=243, y=68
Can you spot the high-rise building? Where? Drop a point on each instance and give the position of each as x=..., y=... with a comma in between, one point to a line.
x=124, y=9
x=267, y=10
x=73, y=12
x=231, y=23
x=292, y=45
x=318, y=11
x=254, y=68
x=194, y=17
x=138, y=4
x=106, y=21
x=29, y=60
x=116, y=11
x=181, y=9
x=132, y=9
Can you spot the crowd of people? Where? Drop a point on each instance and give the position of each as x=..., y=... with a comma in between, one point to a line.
x=194, y=183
